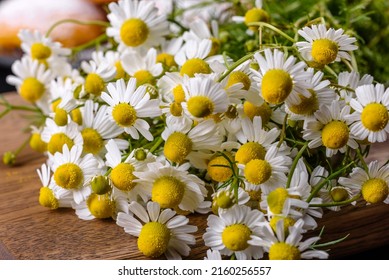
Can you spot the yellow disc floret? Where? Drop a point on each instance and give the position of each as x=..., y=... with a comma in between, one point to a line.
x=324, y=51
x=122, y=176
x=124, y=114
x=177, y=147
x=307, y=106
x=224, y=199
x=69, y=176
x=37, y=144
x=60, y=117
x=255, y=15
x=375, y=117
x=76, y=116
x=257, y=171
x=375, y=190
x=57, y=141
x=166, y=59
x=276, y=86
x=47, y=198
x=235, y=237
x=219, y=168
x=93, y=142
x=335, y=134
x=100, y=206
x=239, y=77
x=32, y=89
x=200, y=106
x=216, y=43
x=120, y=73
x=288, y=222
x=284, y=251
x=176, y=109
x=250, y=151
x=179, y=94
x=144, y=77
x=134, y=32
x=339, y=194
x=40, y=51
x=154, y=239
x=168, y=191
x=195, y=66
x=276, y=200
x=94, y=84
x=100, y=184
x=264, y=111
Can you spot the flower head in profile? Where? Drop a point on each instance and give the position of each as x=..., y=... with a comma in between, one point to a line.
x=159, y=232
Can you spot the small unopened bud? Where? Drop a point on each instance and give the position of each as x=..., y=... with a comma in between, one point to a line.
x=9, y=158
x=100, y=184
x=140, y=154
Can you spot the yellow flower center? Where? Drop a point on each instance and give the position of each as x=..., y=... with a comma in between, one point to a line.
x=276, y=86
x=61, y=117
x=69, y=176
x=195, y=66
x=122, y=176
x=200, y=106
x=177, y=147
x=335, y=134
x=179, y=94
x=235, y=237
x=257, y=171
x=168, y=191
x=120, y=73
x=76, y=116
x=255, y=15
x=239, y=77
x=250, y=151
x=154, y=239
x=375, y=190
x=47, y=198
x=219, y=168
x=124, y=114
x=264, y=111
x=40, y=51
x=339, y=194
x=307, y=106
x=324, y=51
x=57, y=141
x=94, y=84
x=140, y=154
x=288, y=222
x=32, y=89
x=276, y=200
x=144, y=77
x=100, y=206
x=100, y=184
x=224, y=200
x=55, y=104
x=284, y=251
x=166, y=59
x=93, y=142
x=176, y=109
x=255, y=194
x=134, y=32
x=215, y=46
x=37, y=144
x=375, y=117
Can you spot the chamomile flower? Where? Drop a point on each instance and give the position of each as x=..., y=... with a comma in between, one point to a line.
x=231, y=231
x=128, y=105
x=349, y=81
x=203, y=97
x=113, y=59
x=136, y=24
x=255, y=14
x=184, y=142
x=36, y=142
x=102, y=206
x=169, y=48
x=331, y=129
x=32, y=80
x=290, y=247
x=57, y=137
x=74, y=172
x=281, y=80
x=370, y=120
x=159, y=232
x=225, y=198
x=142, y=67
x=50, y=195
x=373, y=184
x=97, y=76
x=170, y=186
x=67, y=103
x=325, y=46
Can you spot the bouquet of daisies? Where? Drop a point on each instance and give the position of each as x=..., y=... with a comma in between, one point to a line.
x=206, y=107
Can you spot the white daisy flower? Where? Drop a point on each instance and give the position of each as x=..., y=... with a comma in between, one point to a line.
x=50, y=195
x=281, y=79
x=136, y=24
x=330, y=129
x=290, y=247
x=231, y=231
x=57, y=137
x=36, y=142
x=371, y=117
x=225, y=198
x=203, y=97
x=63, y=106
x=325, y=46
x=169, y=48
x=373, y=184
x=98, y=75
x=158, y=232
x=73, y=172
x=128, y=106
x=349, y=81
x=184, y=142
x=113, y=59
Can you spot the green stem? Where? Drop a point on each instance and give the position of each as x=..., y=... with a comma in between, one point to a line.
x=364, y=165
x=340, y=203
x=91, y=43
x=275, y=29
x=294, y=164
x=282, y=137
x=156, y=145
x=234, y=65
x=5, y=112
x=332, y=72
x=90, y=22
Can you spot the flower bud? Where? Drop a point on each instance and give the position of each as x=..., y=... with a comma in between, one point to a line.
x=100, y=184
x=9, y=158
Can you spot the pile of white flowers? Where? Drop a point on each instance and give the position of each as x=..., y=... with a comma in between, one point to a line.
x=159, y=124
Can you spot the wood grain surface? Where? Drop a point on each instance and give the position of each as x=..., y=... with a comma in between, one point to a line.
x=30, y=231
